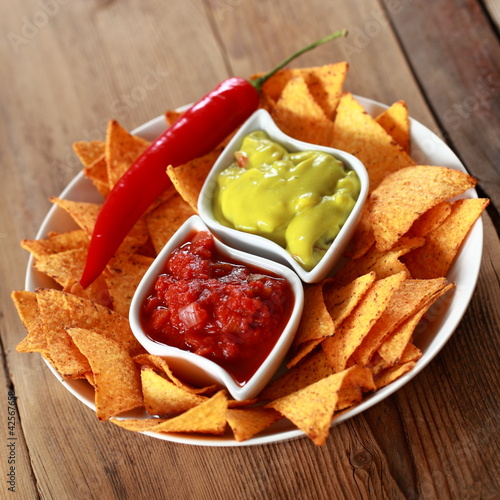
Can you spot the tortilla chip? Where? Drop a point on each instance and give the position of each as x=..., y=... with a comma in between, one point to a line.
x=125, y=274
x=316, y=321
x=430, y=220
x=165, y=219
x=395, y=121
x=363, y=238
x=247, y=422
x=122, y=149
x=189, y=178
x=443, y=243
x=302, y=351
x=352, y=331
x=325, y=84
x=340, y=301
x=359, y=134
x=82, y=212
x=26, y=304
x=298, y=115
x=162, y=397
x=405, y=195
x=55, y=243
x=383, y=264
x=392, y=374
x=66, y=268
x=116, y=376
x=393, y=347
x=172, y=116
x=411, y=296
x=311, y=409
x=89, y=152
x=98, y=175
x=160, y=365
x=307, y=372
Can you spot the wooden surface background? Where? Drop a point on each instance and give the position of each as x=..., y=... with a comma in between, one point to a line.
x=67, y=66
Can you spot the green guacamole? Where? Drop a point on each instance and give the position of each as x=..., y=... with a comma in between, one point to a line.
x=298, y=200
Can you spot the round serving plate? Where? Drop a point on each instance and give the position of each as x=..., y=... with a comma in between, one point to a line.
x=441, y=320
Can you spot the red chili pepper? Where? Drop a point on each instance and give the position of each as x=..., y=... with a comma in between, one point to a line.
x=204, y=125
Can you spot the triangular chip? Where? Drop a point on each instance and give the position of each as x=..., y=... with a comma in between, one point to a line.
x=350, y=334
x=162, y=397
x=116, y=376
x=311, y=409
x=407, y=194
x=122, y=149
x=298, y=115
x=395, y=121
x=443, y=243
x=245, y=423
x=359, y=134
x=29, y=313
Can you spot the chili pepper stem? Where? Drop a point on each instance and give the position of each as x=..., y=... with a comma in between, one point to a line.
x=258, y=82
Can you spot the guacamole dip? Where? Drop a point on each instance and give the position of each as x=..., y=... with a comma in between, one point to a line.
x=299, y=200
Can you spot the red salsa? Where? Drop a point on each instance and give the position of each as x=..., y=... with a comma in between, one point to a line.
x=230, y=313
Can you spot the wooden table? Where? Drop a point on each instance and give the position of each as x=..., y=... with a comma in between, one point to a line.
x=67, y=67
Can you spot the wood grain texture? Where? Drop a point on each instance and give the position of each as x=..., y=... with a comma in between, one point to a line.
x=87, y=62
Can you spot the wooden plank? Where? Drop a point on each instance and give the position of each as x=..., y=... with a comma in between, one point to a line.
x=457, y=66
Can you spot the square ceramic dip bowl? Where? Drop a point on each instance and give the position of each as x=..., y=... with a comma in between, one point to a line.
x=326, y=198
x=217, y=314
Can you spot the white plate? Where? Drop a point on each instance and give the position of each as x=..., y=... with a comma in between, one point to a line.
x=441, y=320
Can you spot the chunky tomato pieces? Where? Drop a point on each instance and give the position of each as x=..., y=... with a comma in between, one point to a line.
x=229, y=313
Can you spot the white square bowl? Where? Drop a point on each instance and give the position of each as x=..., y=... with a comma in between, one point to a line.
x=192, y=367
x=259, y=245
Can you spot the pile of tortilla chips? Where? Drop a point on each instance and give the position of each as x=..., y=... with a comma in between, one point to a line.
x=358, y=328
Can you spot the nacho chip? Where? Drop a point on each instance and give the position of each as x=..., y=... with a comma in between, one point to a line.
x=307, y=372
x=352, y=331
x=26, y=304
x=325, y=84
x=430, y=220
x=359, y=134
x=116, y=376
x=66, y=268
x=392, y=374
x=89, y=152
x=247, y=422
x=207, y=418
x=165, y=219
x=302, y=351
x=405, y=195
x=82, y=212
x=363, y=238
x=162, y=397
x=56, y=242
x=395, y=121
x=340, y=301
x=122, y=149
x=394, y=345
x=123, y=278
x=443, y=243
x=189, y=178
x=411, y=296
x=160, y=365
x=383, y=264
x=98, y=175
x=311, y=409
x=298, y=115
x=316, y=321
